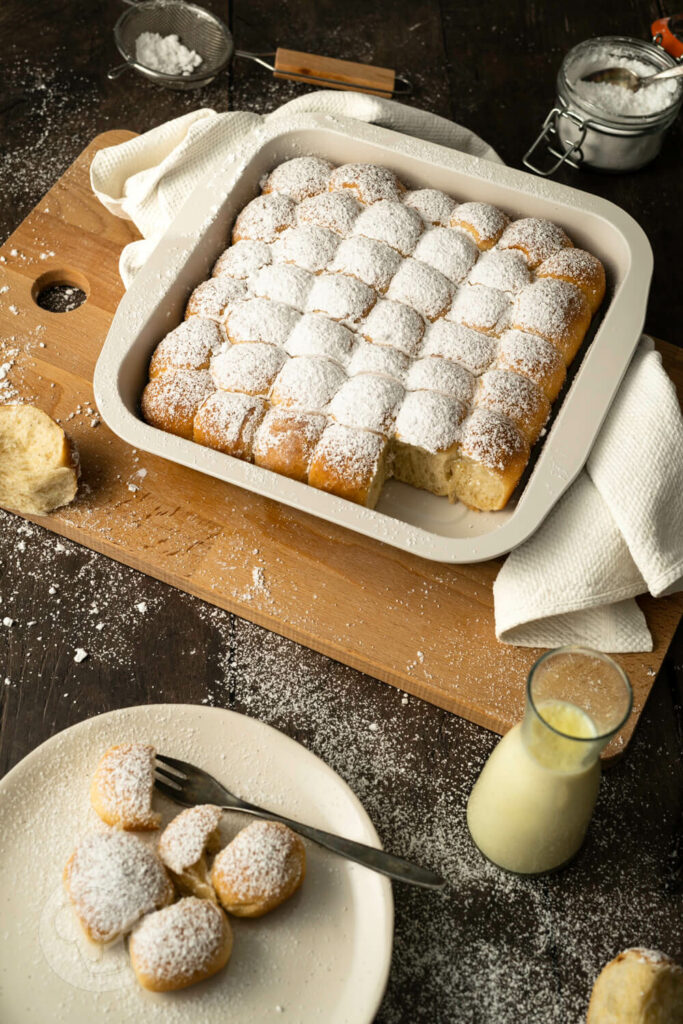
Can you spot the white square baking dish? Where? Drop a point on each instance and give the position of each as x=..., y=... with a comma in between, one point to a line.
x=405, y=517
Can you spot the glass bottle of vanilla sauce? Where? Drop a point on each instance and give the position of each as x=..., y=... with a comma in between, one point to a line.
x=530, y=807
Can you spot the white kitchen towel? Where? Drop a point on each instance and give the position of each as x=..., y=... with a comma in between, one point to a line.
x=616, y=533
x=147, y=179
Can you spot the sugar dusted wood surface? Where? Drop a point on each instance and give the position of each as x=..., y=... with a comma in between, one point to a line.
x=425, y=628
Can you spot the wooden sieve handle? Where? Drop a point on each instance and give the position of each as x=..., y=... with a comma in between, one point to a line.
x=333, y=73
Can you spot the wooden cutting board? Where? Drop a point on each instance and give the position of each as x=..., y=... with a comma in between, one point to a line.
x=424, y=627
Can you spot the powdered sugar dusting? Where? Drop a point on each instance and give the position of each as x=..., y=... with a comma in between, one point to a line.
x=330, y=243
x=123, y=785
x=179, y=942
x=113, y=879
x=260, y=863
x=185, y=838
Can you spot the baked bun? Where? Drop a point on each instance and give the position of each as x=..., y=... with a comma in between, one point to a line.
x=38, y=465
x=242, y=259
x=535, y=358
x=426, y=431
x=580, y=268
x=171, y=400
x=350, y=463
x=285, y=442
x=258, y=320
x=481, y=309
x=184, y=844
x=307, y=246
x=122, y=787
x=250, y=368
x=335, y=211
x=537, y=239
x=390, y=222
x=340, y=297
x=227, y=421
x=264, y=218
x=490, y=460
x=112, y=879
x=557, y=311
x=422, y=287
x=300, y=178
x=260, y=869
x=515, y=397
x=640, y=986
x=215, y=297
x=368, y=182
x=181, y=945
x=484, y=222
x=188, y=347
x=434, y=207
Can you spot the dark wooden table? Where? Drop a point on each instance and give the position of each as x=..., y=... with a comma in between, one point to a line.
x=493, y=949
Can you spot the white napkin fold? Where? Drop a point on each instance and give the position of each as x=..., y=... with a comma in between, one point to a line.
x=616, y=533
x=147, y=179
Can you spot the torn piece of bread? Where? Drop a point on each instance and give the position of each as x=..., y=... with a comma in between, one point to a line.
x=38, y=464
x=184, y=844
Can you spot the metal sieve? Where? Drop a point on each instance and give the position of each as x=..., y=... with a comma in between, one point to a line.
x=197, y=29
x=203, y=32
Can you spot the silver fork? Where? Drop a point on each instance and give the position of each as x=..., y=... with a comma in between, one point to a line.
x=188, y=785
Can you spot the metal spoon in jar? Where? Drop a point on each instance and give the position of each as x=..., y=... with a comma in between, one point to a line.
x=628, y=79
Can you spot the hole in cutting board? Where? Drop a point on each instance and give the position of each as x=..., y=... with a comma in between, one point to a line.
x=60, y=291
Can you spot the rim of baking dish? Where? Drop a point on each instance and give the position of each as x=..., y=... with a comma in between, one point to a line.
x=577, y=416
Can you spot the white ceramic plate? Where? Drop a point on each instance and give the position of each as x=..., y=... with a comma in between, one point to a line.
x=323, y=956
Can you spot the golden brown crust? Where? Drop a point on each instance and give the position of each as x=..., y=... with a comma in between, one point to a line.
x=180, y=945
x=285, y=442
x=123, y=785
x=640, y=986
x=349, y=463
x=580, y=268
x=227, y=421
x=171, y=400
x=112, y=879
x=261, y=868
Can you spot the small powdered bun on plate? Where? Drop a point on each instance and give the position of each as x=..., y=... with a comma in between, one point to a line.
x=640, y=986
x=122, y=787
x=38, y=465
x=261, y=868
x=184, y=844
x=181, y=945
x=580, y=268
x=112, y=879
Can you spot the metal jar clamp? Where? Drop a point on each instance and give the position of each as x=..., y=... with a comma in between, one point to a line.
x=550, y=136
x=580, y=134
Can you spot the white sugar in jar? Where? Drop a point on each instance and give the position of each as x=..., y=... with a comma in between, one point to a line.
x=604, y=126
